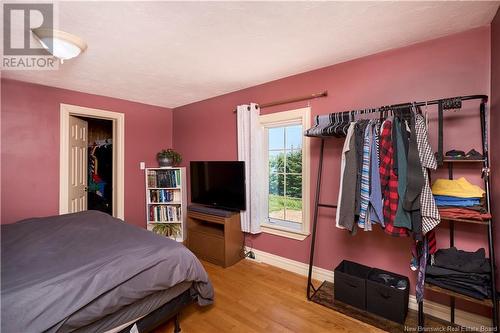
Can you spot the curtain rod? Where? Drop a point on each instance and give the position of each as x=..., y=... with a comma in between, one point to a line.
x=293, y=100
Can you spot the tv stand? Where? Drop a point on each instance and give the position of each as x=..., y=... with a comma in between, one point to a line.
x=215, y=235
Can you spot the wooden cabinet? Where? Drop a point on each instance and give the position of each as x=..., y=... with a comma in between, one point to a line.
x=215, y=238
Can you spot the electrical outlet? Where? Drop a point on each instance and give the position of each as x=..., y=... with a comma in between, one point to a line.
x=142, y=165
x=251, y=255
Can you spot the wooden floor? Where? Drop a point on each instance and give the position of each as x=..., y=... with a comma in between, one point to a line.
x=254, y=297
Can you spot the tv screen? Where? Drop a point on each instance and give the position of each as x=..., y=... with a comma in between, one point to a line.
x=219, y=184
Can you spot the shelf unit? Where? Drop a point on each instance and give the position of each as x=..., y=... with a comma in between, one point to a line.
x=166, y=198
x=484, y=222
x=493, y=303
x=457, y=160
x=486, y=302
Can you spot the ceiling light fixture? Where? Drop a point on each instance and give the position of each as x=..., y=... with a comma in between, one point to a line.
x=60, y=44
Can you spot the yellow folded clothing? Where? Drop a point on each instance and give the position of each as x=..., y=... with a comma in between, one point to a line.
x=460, y=188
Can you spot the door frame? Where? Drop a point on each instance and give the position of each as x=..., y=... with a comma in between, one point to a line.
x=118, y=119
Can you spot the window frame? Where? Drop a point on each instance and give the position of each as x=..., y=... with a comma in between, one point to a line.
x=279, y=119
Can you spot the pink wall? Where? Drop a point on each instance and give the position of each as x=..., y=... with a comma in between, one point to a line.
x=30, y=147
x=445, y=67
x=206, y=130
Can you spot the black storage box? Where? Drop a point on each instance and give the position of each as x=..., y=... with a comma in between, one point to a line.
x=384, y=298
x=350, y=283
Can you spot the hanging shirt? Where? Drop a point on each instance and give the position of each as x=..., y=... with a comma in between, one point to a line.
x=364, y=213
x=376, y=206
x=415, y=178
x=347, y=206
x=345, y=203
x=415, y=182
x=428, y=209
x=359, y=139
x=402, y=218
x=389, y=181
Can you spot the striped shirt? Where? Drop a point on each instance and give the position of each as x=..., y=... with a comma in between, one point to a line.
x=364, y=218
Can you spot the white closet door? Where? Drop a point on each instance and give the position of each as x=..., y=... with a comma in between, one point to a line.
x=78, y=138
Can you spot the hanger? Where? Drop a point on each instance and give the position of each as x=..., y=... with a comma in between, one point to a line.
x=346, y=123
x=340, y=128
x=330, y=128
x=336, y=125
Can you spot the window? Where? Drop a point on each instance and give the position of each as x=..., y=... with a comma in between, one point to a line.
x=286, y=160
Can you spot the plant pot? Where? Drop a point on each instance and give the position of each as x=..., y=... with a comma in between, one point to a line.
x=165, y=161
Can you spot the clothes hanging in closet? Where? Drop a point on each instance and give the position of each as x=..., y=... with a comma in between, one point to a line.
x=428, y=208
x=384, y=178
x=346, y=200
x=100, y=176
x=389, y=180
x=376, y=208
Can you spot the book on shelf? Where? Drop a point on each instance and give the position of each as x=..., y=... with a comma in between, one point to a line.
x=164, y=196
x=161, y=213
x=152, y=178
x=164, y=178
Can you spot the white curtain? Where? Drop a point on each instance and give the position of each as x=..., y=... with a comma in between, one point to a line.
x=250, y=150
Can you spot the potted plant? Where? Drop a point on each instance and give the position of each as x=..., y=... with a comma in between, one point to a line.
x=168, y=230
x=168, y=157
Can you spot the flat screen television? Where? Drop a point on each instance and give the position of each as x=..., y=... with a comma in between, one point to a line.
x=219, y=184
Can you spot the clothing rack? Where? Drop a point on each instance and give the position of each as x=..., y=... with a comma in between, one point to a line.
x=396, y=107
x=312, y=290
x=102, y=142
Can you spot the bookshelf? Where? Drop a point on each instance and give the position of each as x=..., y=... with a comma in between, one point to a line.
x=166, y=199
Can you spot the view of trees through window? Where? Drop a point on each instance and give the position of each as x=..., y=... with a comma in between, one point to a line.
x=285, y=173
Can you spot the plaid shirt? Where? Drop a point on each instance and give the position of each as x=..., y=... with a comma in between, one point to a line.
x=428, y=208
x=389, y=181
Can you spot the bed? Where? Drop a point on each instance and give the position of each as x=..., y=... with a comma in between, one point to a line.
x=90, y=272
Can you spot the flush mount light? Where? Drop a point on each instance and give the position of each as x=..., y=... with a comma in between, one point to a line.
x=60, y=44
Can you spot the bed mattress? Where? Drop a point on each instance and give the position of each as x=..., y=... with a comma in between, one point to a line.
x=67, y=272
x=134, y=311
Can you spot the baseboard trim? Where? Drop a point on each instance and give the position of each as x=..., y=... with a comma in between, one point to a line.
x=290, y=265
x=437, y=310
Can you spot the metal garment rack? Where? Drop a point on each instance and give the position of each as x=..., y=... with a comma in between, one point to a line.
x=312, y=290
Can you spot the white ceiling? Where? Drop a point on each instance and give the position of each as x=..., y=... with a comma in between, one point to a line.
x=174, y=53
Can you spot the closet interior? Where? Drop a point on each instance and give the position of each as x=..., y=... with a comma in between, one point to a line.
x=100, y=165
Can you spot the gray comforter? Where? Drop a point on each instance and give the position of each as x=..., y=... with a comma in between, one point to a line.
x=83, y=267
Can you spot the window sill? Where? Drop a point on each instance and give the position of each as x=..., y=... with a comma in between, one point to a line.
x=283, y=232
